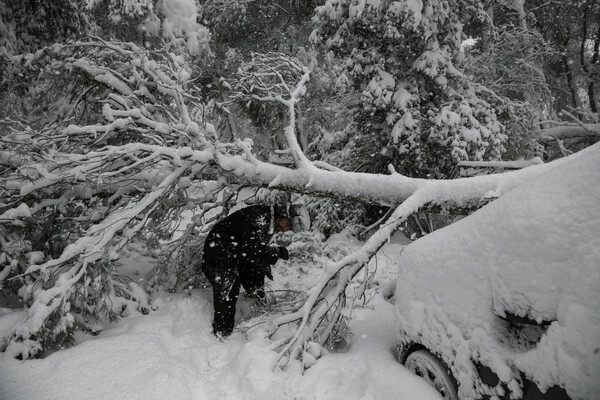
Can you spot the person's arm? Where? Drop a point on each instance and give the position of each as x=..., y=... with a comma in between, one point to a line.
x=266, y=256
x=254, y=250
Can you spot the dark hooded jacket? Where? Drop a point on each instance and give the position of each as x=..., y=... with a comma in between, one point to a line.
x=239, y=242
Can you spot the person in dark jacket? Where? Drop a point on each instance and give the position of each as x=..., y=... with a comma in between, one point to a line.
x=236, y=252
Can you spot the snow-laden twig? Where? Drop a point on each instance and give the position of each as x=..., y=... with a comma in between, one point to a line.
x=276, y=77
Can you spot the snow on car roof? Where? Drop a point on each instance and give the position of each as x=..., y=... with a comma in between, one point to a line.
x=534, y=252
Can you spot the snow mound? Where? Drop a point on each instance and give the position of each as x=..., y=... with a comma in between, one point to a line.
x=171, y=354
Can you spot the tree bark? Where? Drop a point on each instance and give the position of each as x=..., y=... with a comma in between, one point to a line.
x=576, y=101
x=303, y=141
x=592, y=75
x=584, y=64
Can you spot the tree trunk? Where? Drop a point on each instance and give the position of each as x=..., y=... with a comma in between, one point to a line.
x=520, y=9
x=592, y=96
x=584, y=64
x=302, y=139
x=576, y=101
x=592, y=76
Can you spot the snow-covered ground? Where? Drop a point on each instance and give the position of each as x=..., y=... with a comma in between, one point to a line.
x=171, y=354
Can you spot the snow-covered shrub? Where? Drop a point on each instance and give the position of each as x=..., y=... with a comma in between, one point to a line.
x=257, y=25
x=180, y=267
x=172, y=25
x=418, y=111
x=96, y=150
x=29, y=25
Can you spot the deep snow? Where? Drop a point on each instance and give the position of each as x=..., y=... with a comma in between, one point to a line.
x=171, y=354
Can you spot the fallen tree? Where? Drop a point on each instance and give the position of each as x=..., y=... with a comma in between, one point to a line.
x=120, y=159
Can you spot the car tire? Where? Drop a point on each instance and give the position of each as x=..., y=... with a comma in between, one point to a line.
x=434, y=371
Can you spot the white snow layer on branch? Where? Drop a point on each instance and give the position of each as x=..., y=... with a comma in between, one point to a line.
x=571, y=131
x=389, y=190
x=21, y=211
x=519, y=164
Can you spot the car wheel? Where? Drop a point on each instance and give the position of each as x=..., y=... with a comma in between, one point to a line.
x=432, y=369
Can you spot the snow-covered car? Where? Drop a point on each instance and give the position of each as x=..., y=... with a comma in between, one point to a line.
x=506, y=302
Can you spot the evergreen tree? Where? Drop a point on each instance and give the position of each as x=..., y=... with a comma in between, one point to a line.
x=418, y=112
x=27, y=25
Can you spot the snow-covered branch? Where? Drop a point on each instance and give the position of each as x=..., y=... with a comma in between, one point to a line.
x=570, y=131
x=275, y=77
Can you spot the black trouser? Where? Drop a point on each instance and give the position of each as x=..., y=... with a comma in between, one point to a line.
x=226, y=289
x=224, y=308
